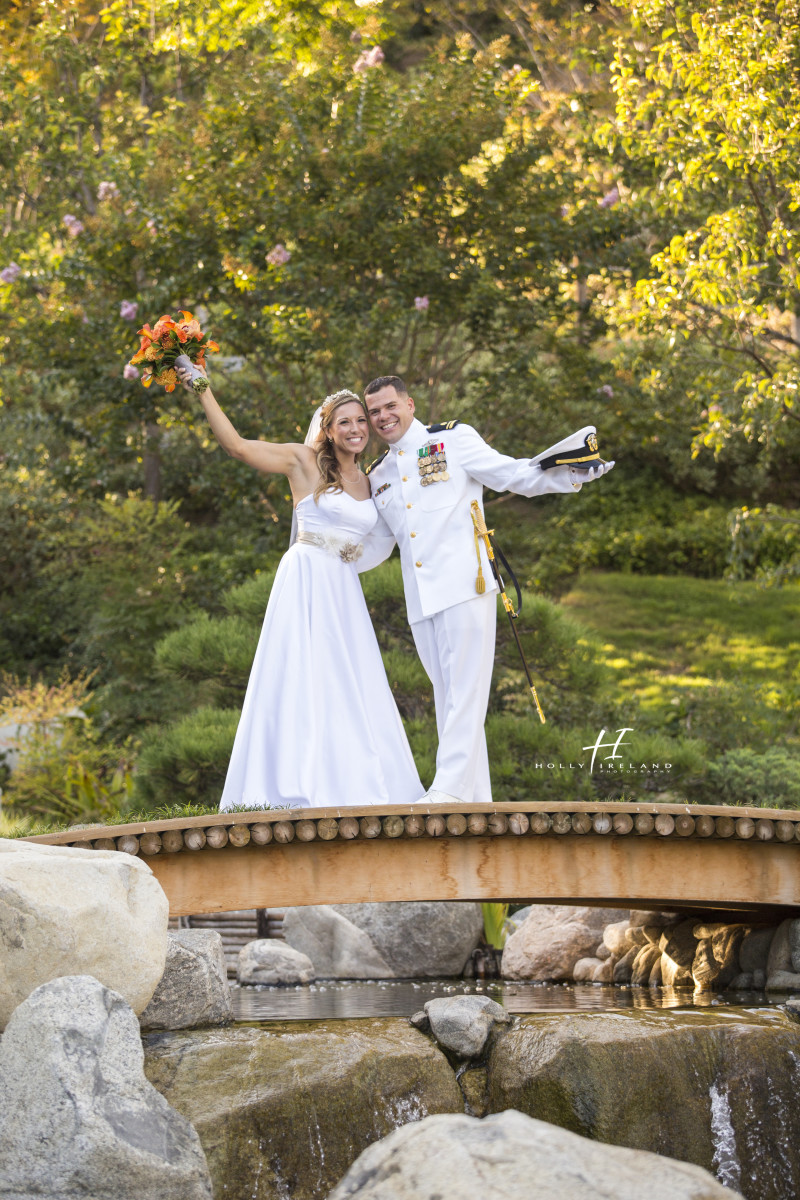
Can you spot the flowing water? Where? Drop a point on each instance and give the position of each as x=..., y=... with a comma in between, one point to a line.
x=348, y=998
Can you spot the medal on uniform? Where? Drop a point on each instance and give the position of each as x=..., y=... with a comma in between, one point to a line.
x=432, y=463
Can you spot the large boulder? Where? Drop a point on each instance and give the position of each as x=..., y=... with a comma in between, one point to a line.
x=395, y=940
x=514, y=1157
x=77, y=1116
x=782, y=975
x=78, y=912
x=284, y=1109
x=552, y=939
x=754, y=950
x=678, y=948
x=271, y=961
x=707, y=1086
x=779, y=957
x=716, y=959
x=194, y=988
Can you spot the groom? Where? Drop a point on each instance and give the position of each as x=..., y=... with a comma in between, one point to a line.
x=423, y=485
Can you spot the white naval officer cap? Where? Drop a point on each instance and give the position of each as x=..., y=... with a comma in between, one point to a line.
x=578, y=451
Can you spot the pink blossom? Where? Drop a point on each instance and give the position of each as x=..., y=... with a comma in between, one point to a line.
x=10, y=273
x=74, y=227
x=278, y=255
x=368, y=59
x=610, y=199
x=128, y=310
x=151, y=225
x=107, y=191
x=130, y=372
x=421, y=303
x=606, y=390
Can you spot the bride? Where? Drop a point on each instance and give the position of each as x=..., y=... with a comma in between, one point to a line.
x=319, y=725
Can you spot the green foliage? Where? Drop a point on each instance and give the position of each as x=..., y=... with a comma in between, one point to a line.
x=248, y=601
x=218, y=651
x=765, y=544
x=187, y=761
x=562, y=656
x=706, y=99
x=768, y=780
x=132, y=580
x=494, y=924
x=60, y=770
x=637, y=525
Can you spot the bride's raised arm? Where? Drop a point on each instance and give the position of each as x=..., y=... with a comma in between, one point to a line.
x=282, y=458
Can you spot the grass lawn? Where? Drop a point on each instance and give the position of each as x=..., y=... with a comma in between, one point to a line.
x=666, y=635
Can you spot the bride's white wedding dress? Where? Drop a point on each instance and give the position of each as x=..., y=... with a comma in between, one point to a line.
x=319, y=726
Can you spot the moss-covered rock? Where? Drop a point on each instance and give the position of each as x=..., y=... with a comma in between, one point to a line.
x=715, y=1089
x=283, y=1110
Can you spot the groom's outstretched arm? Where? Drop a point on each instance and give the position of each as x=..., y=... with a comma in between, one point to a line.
x=378, y=545
x=523, y=476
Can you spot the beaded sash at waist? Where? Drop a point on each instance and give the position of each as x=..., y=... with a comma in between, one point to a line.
x=344, y=549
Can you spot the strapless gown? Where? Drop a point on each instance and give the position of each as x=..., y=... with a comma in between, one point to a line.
x=319, y=725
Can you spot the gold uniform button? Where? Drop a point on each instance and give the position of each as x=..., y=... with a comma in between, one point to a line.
x=401, y=453
x=419, y=564
x=413, y=534
x=409, y=506
x=405, y=479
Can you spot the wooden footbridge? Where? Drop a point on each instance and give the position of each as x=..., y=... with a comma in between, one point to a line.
x=664, y=856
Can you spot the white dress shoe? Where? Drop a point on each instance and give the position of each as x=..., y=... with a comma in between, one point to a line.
x=436, y=797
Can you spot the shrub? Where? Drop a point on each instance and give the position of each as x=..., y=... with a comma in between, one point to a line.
x=768, y=780
x=56, y=767
x=217, y=650
x=249, y=599
x=187, y=762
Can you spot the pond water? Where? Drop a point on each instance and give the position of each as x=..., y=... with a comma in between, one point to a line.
x=403, y=997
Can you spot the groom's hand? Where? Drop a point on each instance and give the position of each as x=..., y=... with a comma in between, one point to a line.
x=596, y=471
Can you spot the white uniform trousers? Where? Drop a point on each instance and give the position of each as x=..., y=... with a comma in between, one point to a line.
x=456, y=648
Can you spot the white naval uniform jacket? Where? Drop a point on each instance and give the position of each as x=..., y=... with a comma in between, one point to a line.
x=432, y=525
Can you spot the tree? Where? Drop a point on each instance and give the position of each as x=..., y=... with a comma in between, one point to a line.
x=706, y=107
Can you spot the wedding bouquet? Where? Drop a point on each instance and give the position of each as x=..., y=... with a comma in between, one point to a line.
x=172, y=342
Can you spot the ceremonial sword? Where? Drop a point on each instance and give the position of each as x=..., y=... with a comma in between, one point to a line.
x=481, y=531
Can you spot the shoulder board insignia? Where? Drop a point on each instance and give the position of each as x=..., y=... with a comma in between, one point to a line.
x=377, y=462
x=443, y=426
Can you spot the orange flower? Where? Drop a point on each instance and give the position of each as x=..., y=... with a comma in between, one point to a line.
x=212, y=346
x=163, y=325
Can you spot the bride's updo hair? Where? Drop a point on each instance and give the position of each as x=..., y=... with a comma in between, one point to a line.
x=327, y=462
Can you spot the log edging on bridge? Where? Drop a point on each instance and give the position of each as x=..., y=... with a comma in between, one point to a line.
x=282, y=827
